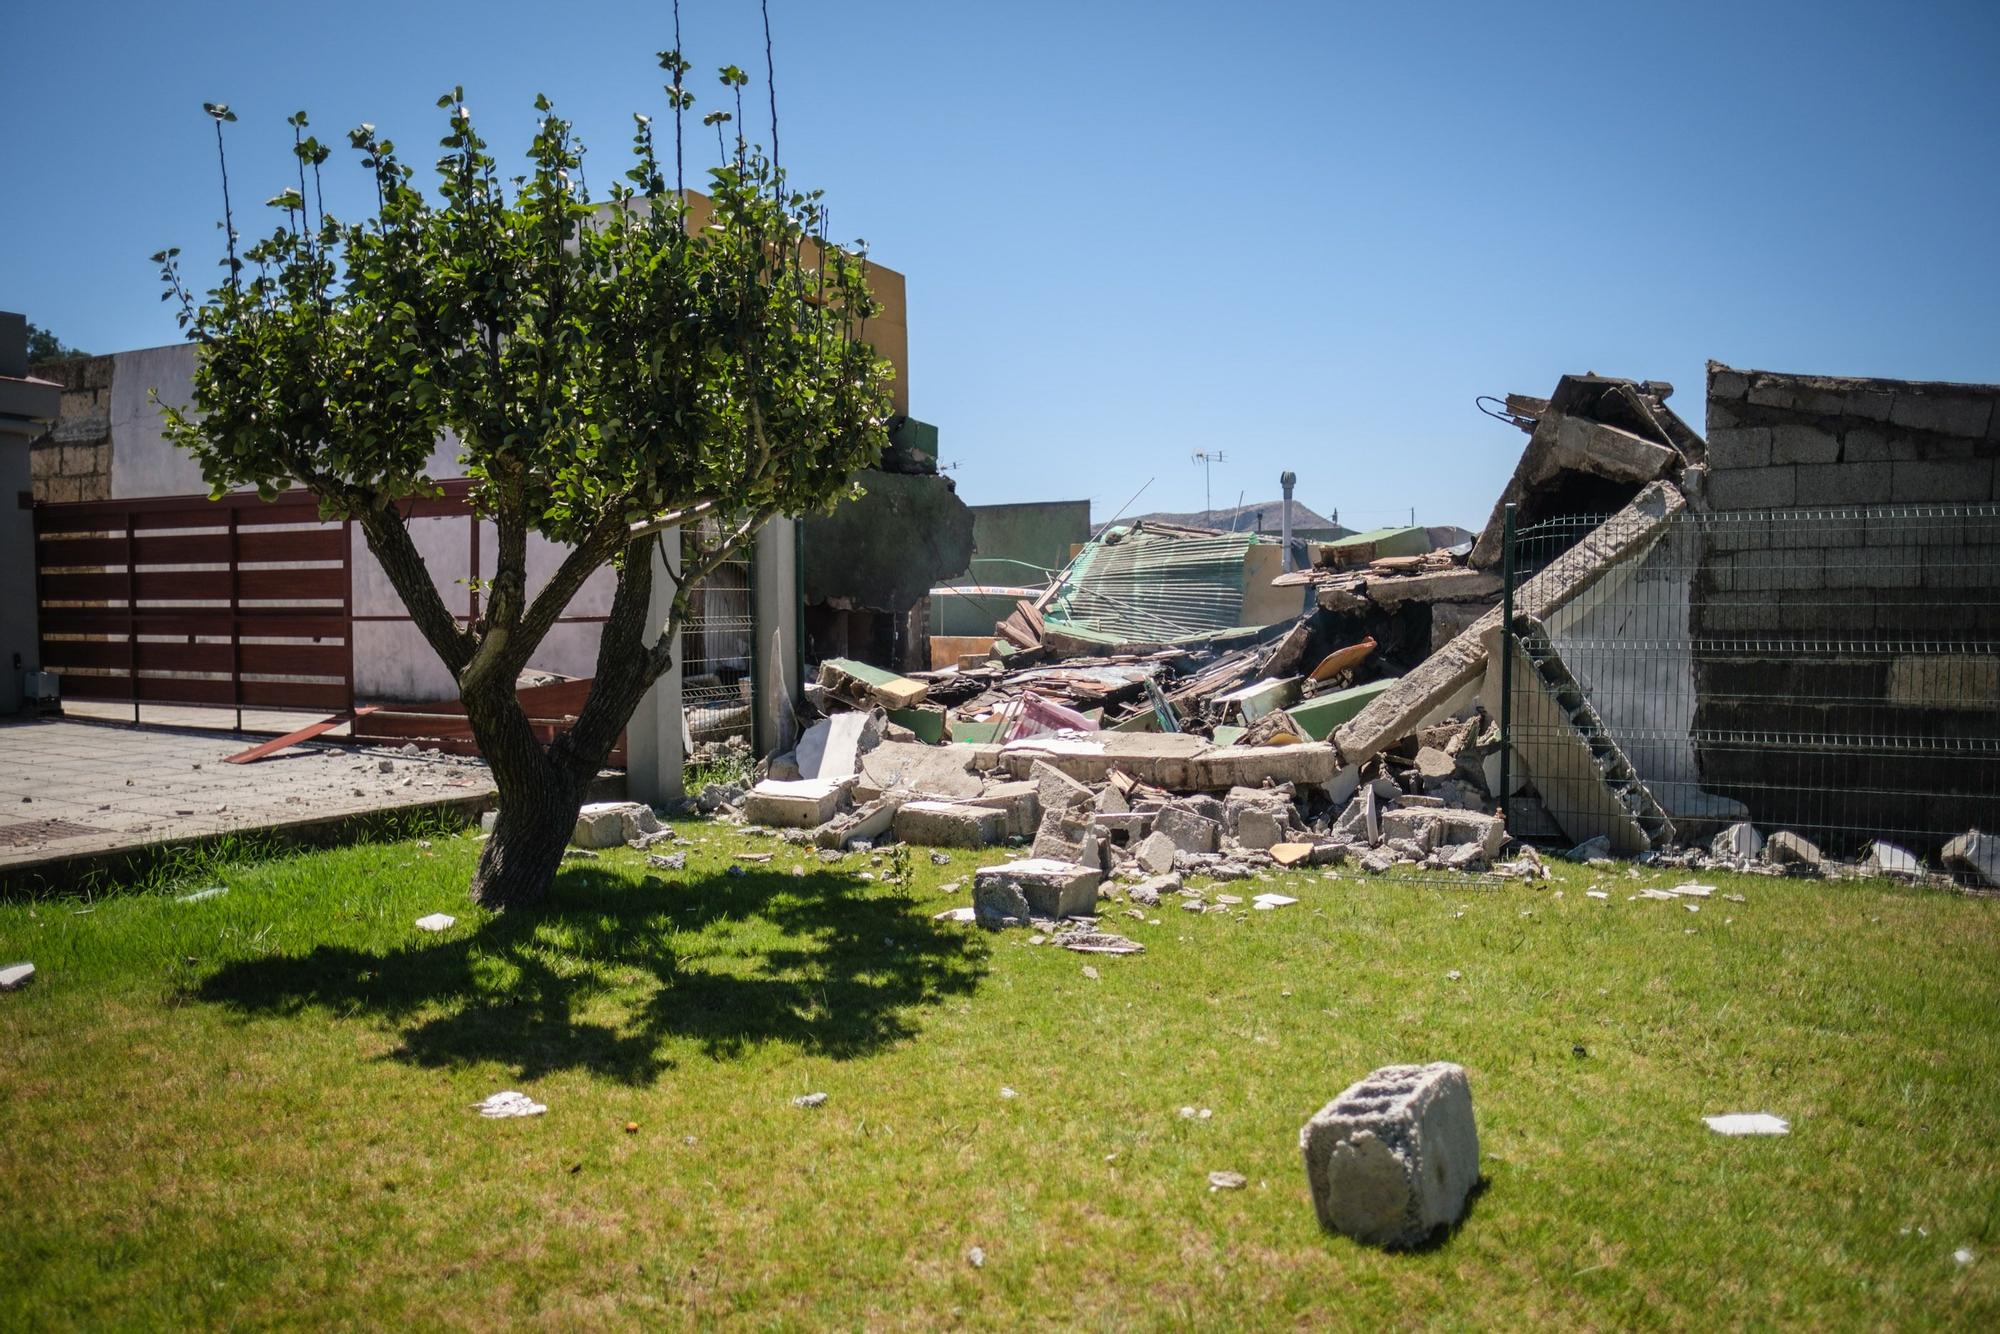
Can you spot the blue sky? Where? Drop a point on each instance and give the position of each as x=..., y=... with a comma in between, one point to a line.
x=1307, y=235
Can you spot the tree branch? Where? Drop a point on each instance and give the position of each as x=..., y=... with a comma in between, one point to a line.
x=389, y=539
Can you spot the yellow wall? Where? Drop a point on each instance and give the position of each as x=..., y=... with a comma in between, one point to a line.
x=889, y=332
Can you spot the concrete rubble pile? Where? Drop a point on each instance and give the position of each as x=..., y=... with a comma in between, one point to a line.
x=1175, y=705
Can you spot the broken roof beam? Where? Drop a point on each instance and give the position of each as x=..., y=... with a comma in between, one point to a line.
x=1428, y=693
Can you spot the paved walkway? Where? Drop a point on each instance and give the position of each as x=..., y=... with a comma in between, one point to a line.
x=72, y=788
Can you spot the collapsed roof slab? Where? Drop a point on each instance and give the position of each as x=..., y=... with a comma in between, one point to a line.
x=1449, y=678
x=1595, y=434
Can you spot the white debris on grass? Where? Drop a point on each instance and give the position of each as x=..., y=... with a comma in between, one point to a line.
x=437, y=921
x=15, y=976
x=1227, y=1181
x=955, y=915
x=202, y=895
x=975, y=1257
x=1963, y=1255
x=809, y=1100
x=508, y=1104
x=1266, y=902
x=1748, y=1123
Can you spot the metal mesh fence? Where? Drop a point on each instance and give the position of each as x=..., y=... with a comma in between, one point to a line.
x=717, y=647
x=1831, y=672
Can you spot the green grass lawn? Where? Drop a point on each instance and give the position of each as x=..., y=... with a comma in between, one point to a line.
x=257, y=1109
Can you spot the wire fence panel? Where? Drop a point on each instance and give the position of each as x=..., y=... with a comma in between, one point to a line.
x=1835, y=673
x=717, y=648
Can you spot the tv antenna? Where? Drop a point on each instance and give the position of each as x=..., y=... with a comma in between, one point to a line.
x=1207, y=458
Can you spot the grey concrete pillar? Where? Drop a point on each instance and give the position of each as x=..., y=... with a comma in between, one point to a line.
x=654, y=754
x=775, y=573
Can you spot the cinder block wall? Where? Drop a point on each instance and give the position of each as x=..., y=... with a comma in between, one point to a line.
x=1877, y=626
x=72, y=461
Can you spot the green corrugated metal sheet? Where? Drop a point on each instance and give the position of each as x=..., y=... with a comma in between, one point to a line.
x=1135, y=585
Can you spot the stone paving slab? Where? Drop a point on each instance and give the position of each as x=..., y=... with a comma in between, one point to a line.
x=128, y=788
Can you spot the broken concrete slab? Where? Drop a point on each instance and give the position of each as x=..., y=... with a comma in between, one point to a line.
x=1786, y=848
x=928, y=771
x=865, y=687
x=1309, y=763
x=868, y=823
x=1049, y=887
x=1459, y=585
x=607, y=824
x=1975, y=856
x=832, y=747
x=1888, y=859
x=945, y=824
x=1162, y=759
x=16, y=975
x=1449, y=678
x=805, y=803
x=1395, y=1156
x=1739, y=842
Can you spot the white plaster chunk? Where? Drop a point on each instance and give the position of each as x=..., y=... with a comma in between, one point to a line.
x=437, y=921
x=1395, y=1156
x=16, y=975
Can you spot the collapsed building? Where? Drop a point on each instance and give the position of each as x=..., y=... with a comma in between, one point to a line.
x=1180, y=699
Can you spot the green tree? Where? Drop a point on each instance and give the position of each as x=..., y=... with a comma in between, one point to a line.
x=614, y=372
x=44, y=347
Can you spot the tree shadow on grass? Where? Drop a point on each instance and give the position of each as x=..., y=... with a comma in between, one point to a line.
x=607, y=974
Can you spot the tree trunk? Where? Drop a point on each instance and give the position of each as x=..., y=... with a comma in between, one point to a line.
x=537, y=814
x=539, y=796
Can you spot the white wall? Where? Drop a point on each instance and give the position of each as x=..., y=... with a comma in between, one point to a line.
x=392, y=661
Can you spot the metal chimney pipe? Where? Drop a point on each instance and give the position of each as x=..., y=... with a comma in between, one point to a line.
x=1287, y=480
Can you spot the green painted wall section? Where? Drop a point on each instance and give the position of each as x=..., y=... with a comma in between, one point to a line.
x=1015, y=544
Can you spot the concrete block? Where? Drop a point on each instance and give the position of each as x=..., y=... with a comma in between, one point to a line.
x=1788, y=849
x=1050, y=887
x=1726, y=383
x=1395, y=1156
x=1843, y=483
x=1975, y=856
x=1022, y=802
x=1056, y=790
x=1946, y=414
x=1752, y=488
x=1951, y=481
x=805, y=803
x=603, y=824
x=1156, y=854
x=1190, y=832
x=1260, y=829
x=946, y=824
x=832, y=747
x=1803, y=444
x=1739, y=447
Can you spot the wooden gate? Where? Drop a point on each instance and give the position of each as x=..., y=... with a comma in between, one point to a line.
x=237, y=602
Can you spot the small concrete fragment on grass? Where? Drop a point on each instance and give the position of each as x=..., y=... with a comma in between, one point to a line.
x=1267, y=902
x=667, y=861
x=1748, y=1123
x=437, y=921
x=16, y=975
x=1227, y=1181
x=510, y=1103
x=809, y=1100
x=203, y=895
